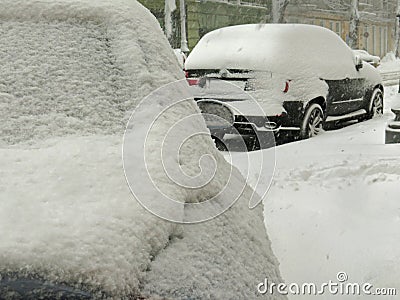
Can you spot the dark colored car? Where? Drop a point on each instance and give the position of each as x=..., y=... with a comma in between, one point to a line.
x=282, y=77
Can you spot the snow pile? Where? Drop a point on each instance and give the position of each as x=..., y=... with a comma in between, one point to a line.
x=71, y=73
x=389, y=57
x=389, y=63
x=334, y=206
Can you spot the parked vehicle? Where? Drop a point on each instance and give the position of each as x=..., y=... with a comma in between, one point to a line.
x=301, y=76
x=368, y=58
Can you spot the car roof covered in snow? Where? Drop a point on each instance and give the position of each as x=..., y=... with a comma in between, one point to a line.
x=284, y=48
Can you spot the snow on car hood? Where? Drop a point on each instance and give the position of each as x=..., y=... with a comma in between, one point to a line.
x=71, y=73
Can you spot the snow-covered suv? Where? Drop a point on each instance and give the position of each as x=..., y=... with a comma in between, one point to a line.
x=301, y=76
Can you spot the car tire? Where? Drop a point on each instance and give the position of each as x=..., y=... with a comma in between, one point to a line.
x=313, y=121
x=264, y=140
x=219, y=143
x=376, y=104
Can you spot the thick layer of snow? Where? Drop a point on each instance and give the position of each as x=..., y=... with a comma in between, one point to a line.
x=281, y=48
x=72, y=71
x=55, y=64
x=334, y=206
x=389, y=63
x=369, y=58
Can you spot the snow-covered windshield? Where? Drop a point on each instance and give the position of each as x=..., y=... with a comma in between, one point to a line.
x=59, y=78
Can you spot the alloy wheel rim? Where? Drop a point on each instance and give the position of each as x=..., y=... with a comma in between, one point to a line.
x=377, y=105
x=315, y=123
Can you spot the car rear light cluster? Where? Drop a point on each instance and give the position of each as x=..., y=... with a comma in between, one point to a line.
x=287, y=86
x=191, y=81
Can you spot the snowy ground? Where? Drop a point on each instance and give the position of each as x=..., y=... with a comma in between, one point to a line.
x=389, y=63
x=334, y=206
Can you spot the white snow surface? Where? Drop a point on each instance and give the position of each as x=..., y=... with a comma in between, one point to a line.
x=389, y=63
x=280, y=48
x=334, y=206
x=88, y=55
x=72, y=71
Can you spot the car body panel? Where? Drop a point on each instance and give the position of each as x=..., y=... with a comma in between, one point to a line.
x=326, y=71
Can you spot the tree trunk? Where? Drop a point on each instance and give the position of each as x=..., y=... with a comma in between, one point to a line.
x=354, y=24
x=169, y=7
x=278, y=10
x=184, y=44
x=396, y=49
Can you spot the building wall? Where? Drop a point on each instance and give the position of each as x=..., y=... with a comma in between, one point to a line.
x=376, y=28
x=205, y=16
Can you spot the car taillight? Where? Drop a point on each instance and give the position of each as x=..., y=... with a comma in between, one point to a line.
x=283, y=114
x=287, y=86
x=193, y=81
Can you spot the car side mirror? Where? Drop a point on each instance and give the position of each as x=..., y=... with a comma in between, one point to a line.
x=359, y=63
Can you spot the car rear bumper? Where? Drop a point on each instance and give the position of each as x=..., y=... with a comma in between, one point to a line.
x=248, y=125
x=220, y=119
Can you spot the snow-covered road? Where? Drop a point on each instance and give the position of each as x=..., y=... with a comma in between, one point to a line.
x=334, y=206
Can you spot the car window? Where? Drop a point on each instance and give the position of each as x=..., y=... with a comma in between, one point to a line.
x=51, y=71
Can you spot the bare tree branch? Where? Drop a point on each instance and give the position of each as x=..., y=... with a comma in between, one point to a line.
x=354, y=24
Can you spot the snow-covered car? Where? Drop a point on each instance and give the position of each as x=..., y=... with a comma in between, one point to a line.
x=368, y=58
x=300, y=76
x=71, y=73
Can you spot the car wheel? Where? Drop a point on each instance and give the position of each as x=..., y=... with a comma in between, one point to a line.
x=313, y=121
x=264, y=140
x=219, y=143
x=376, y=104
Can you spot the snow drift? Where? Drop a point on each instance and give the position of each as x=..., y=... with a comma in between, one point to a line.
x=72, y=71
